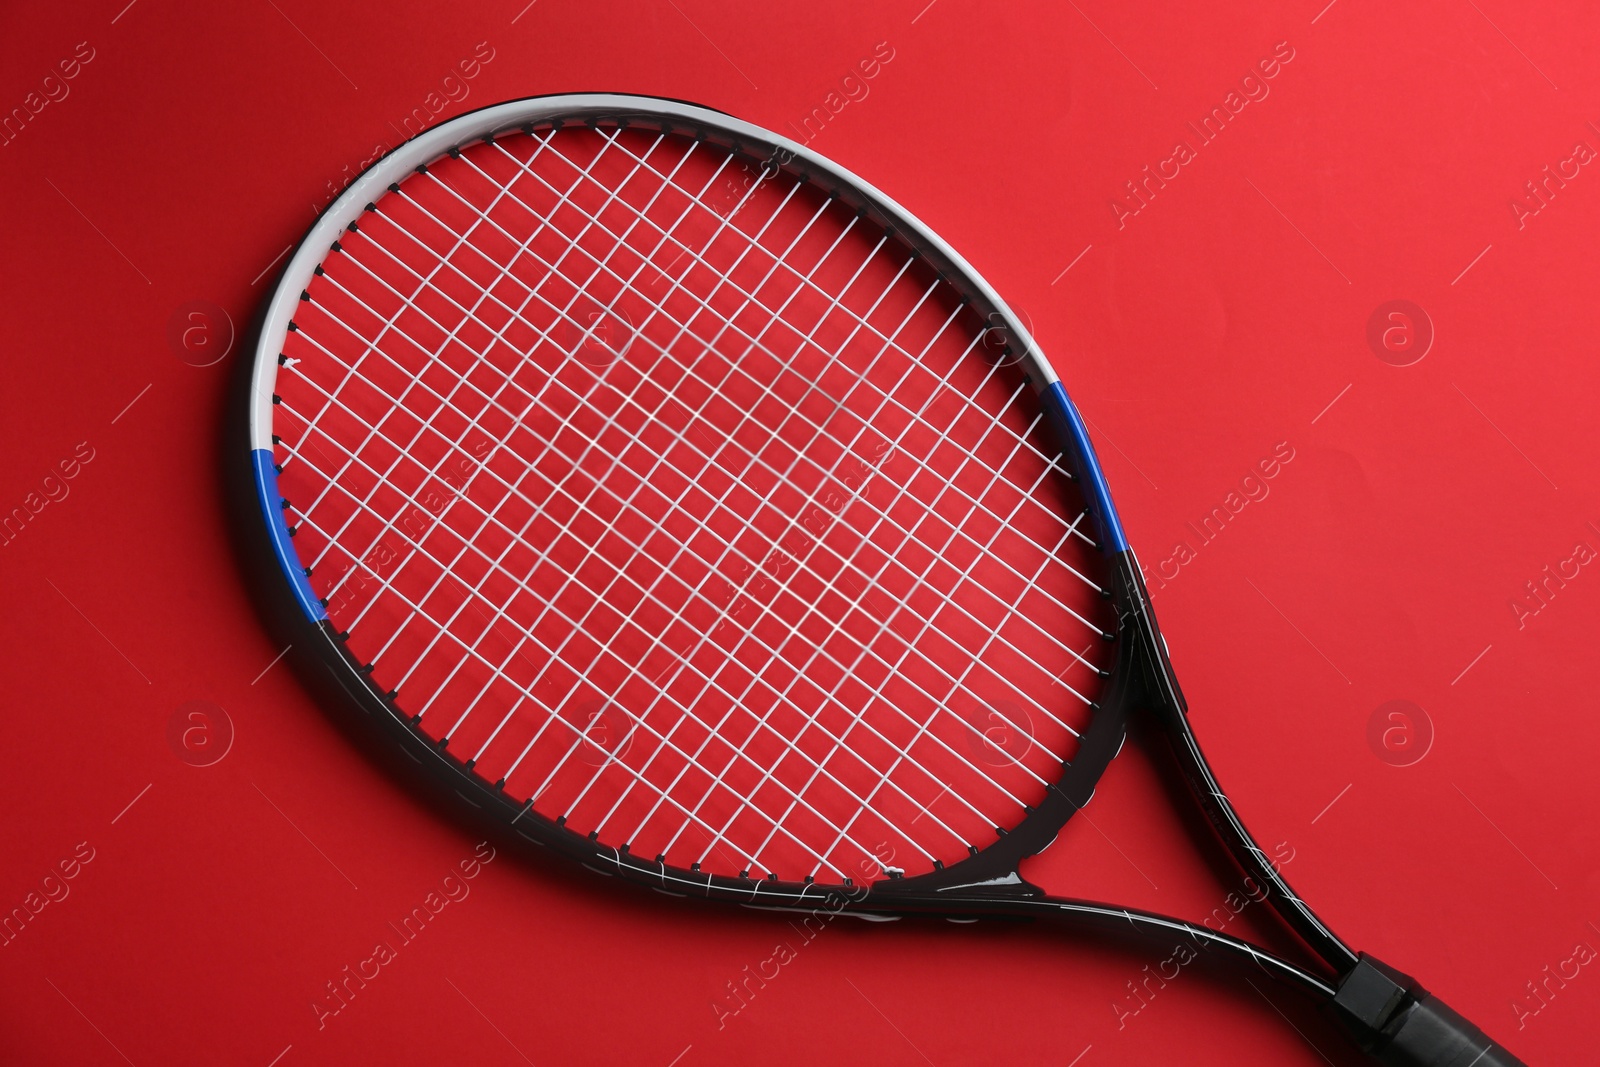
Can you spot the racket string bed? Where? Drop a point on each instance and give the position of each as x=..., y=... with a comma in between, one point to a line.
x=487, y=517
x=805, y=279
x=822, y=432
x=665, y=741
x=445, y=627
x=816, y=767
x=839, y=751
x=1072, y=528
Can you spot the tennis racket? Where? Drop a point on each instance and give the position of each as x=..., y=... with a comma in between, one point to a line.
x=699, y=514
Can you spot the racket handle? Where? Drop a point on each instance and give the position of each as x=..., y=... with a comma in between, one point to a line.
x=1432, y=1034
x=1400, y=1024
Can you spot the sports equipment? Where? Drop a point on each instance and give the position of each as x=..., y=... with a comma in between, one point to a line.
x=698, y=513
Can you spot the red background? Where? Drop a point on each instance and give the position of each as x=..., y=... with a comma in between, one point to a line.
x=1221, y=319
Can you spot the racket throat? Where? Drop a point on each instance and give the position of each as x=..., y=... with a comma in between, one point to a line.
x=1136, y=622
x=1156, y=690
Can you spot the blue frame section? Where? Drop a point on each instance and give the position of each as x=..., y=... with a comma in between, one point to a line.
x=278, y=532
x=1075, y=438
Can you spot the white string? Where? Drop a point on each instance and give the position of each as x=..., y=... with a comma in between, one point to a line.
x=804, y=279
x=821, y=432
x=555, y=390
x=508, y=658
x=752, y=560
x=782, y=695
x=833, y=300
x=518, y=417
x=889, y=771
x=410, y=302
x=488, y=519
x=413, y=341
x=834, y=304
x=956, y=686
x=605, y=819
x=352, y=413
x=470, y=651
x=528, y=631
x=419, y=612
x=956, y=531
x=1072, y=651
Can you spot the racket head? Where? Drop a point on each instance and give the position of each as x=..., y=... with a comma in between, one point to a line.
x=359, y=409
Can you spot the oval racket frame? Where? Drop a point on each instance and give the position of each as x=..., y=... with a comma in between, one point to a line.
x=984, y=883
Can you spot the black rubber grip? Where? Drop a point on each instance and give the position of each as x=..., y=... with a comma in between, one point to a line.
x=1397, y=1022
x=1431, y=1034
